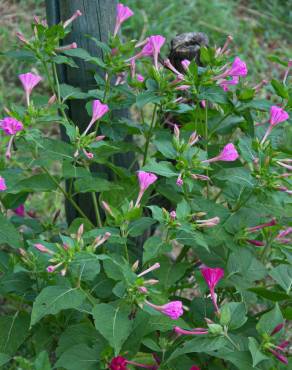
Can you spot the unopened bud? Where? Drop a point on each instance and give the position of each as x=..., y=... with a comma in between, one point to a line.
x=80, y=232
x=99, y=138
x=107, y=208
x=22, y=252
x=70, y=20
x=151, y=282
x=143, y=290
x=67, y=47
x=194, y=138
x=21, y=38
x=176, y=131
x=135, y=266
x=52, y=99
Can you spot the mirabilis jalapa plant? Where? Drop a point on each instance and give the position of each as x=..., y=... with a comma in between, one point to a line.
x=212, y=288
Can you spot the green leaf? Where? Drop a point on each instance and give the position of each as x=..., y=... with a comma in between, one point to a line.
x=85, y=266
x=36, y=183
x=163, y=143
x=139, y=226
x=8, y=234
x=113, y=324
x=61, y=59
x=233, y=315
x=199, y=345
x=169, y=273
x=163, y=168
x=153, y=248
x=14, y=330
x=272, y=295
x=213, y=94
x=79, y=357
x=54, y=299
x=4, y=359
x=283, y=276
x=280, y=89
x=246, y=93
x=146, y=98
x=270, y=320
x=71, y=92
x=42, y=361
x=257, y=355
x=183, y=210
x=94, y=184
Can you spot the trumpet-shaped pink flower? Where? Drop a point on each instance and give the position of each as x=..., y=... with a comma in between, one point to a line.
x=20, y=210
x=262, y=226
x=152, y=48
x=10, y=125
x=140, y=78
x=257, y=243
x=277, y=115
x=145, y=180
x=228, y=154
x=277, y=328
x=40, y=247
x=284, y=233
x=123, y=13
x=238, y=68
x=195, y=368
x=3, y=186
x=279, y=356
x=212, y=276
x=196, y=331
x=172, y=309
x=98, y=110
x=29, y=81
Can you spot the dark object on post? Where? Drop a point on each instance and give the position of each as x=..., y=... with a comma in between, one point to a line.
x=187, y=46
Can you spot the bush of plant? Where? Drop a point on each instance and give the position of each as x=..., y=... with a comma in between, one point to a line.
x=187, y=262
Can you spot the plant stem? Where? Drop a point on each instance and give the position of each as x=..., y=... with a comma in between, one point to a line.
x=149, y=135
x=96, y=209
x=206, y=145
x=69, y=198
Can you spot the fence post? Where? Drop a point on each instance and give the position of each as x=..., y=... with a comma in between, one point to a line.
x=97, y=20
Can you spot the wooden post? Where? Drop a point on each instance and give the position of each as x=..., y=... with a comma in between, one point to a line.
x=97, y=20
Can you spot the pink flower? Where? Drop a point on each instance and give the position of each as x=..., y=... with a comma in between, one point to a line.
x=194, y=138
x=172, y=309
x=10, y=125
x=238, y=68
x=118, y=363
x=185, y=63
x=20, y=210
x=29, y=81
x=277, y=115
x=152, y=48
x=228, y=154
x=212, y=276
x=3, y=186
x=277, y=328
x=53, y=268
x=226, y=83
x=89, y=155
x=172, y=215
x=257, y=243
x=140, y=78
x=145, y=180
x=40, y=247
x=209, y=222
x=279, y=356
x=179, y=181
x=70, y=20
x=123, y=13
x=284, y=233
x=195, y=368
x=262, y=226
x=98, y=111
x=196, y=331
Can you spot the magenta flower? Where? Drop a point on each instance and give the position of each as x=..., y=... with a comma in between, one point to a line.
x=281, y=347
x=140, y=78
x=179, y=181
x=279, y=356
x=212, y=276
x=277, y=328
x=257, y=243
x=152, y=48
x=238, y=68
x=172, y=309
x=20, y=210
x=262, y=226
x=29, y=81
x=228, y=154
x=284, y=233
x=98, y=111
x=10, y=125
x=277, y=115
x=53, y=268
x=145, y=180
x=123, y=13
x=185, y=63
x=3, y=186
x=118, y=363
x=226, y=83
x=196, y=331
x=195, y=368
